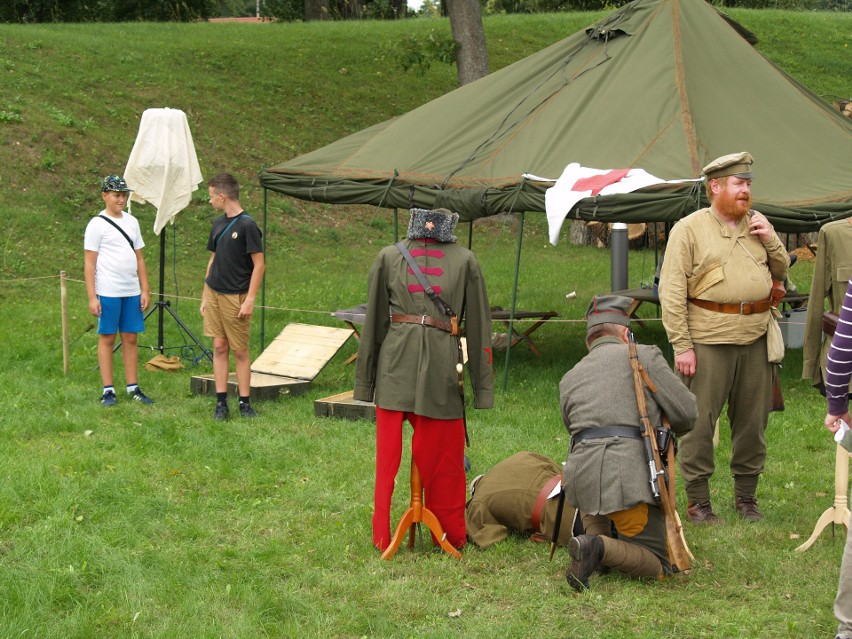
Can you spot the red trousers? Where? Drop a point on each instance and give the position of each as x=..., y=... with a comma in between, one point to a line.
x=437, y=447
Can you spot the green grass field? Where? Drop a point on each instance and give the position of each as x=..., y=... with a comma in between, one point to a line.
x=157, y=522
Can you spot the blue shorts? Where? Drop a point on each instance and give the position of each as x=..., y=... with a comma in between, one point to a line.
x=121, y=315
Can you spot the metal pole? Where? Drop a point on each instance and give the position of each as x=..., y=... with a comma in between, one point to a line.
x=618, y=257
x=514, y=300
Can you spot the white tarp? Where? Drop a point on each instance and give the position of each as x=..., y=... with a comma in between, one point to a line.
x=163, y=169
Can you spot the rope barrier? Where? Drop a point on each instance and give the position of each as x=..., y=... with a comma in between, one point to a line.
x=783, y=320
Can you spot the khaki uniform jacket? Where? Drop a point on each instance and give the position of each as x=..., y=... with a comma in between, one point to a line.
x=832, y=270
x=610, y=474
x=412, y=368
x=706, y=259
x=504, y=497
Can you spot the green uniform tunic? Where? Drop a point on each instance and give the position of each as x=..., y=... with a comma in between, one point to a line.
x=412, y=368
x=832, y=270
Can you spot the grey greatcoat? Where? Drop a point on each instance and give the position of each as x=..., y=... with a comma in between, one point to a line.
x=412, y=368
x=610, y=474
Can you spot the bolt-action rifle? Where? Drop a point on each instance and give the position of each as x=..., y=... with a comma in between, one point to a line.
x=680, y=558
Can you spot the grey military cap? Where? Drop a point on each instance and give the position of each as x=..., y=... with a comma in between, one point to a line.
x=608, y=309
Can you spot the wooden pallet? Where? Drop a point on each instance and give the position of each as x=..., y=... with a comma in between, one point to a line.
x=287, y=366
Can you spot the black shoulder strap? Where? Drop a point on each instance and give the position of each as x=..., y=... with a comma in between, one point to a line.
x=230, y=224
x=448, y=310
x=120, y=230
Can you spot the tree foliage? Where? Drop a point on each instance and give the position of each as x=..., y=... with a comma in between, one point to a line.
x=22, y=11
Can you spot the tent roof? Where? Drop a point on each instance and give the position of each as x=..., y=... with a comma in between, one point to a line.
x=661, y=85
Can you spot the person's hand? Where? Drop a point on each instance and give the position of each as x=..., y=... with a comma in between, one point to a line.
x=832, y=422
x=201, y=307
x=144, y=300
x=685, y=363
x=760, y=226
x=95, y=307
x=246, y=309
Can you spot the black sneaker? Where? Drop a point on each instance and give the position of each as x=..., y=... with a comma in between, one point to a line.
x=221, y=412
x=139, y=396
x=247, y=411
x=108, y=399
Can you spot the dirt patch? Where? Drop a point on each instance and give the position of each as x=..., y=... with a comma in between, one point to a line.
x=253, y=20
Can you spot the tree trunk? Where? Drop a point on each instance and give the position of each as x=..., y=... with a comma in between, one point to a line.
x=466, y=26
x=316, y=10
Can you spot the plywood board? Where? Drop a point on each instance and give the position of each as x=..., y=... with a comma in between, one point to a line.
x=301, y=351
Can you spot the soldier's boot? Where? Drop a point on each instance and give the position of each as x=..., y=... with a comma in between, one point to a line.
x=586, y=552
x=631, y=559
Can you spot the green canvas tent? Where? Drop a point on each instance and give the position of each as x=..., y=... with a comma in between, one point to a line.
x=664, y=86
x=661, y=85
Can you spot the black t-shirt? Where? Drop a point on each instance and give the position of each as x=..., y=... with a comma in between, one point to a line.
x=230, y=273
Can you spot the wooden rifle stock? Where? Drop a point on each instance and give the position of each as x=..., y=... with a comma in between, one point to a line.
x=680, y=558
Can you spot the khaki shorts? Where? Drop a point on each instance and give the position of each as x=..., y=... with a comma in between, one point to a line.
x=220, y=319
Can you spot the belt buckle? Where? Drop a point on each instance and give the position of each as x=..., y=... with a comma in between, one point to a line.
x=746, y=305
x=422, y=320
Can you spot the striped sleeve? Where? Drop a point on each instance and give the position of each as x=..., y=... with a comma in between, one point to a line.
x=838, y=365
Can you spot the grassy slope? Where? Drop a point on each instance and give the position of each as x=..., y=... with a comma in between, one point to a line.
x=160, y=523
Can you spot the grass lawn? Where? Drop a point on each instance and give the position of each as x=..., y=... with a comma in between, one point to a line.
x=154, y=521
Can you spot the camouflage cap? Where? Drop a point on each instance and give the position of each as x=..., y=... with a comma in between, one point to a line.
x=608, y=309
x=114, y=183
x=736, y=164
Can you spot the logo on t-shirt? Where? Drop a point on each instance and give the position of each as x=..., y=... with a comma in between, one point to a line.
x=234, y=235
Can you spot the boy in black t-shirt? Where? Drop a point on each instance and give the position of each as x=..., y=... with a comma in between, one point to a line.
x=233, y=277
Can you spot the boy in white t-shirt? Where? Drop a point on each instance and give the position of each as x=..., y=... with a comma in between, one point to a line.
x=117, y=286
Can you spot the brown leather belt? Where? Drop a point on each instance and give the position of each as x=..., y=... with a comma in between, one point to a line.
x=423, y=320
x=540, y=501
x=743, y=308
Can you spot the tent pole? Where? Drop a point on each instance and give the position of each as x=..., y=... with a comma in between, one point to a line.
x=514, y=300
x=263, y=280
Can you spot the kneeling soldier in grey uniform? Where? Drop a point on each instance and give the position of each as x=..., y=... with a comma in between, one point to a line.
x=606, y=476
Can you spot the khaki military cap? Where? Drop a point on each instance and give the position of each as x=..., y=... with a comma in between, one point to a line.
x=736, y=164
x=608, y=309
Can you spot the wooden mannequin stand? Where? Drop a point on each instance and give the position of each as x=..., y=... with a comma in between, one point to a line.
x=839, y=512
x=417, y=513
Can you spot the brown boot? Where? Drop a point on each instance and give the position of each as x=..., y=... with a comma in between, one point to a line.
x=747, y=508
x=586, y=554
x=702, y=513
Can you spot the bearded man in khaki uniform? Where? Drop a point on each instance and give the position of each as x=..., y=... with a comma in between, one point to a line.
x=715, y=294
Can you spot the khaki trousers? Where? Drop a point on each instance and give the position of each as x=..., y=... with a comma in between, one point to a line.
x=742, y=377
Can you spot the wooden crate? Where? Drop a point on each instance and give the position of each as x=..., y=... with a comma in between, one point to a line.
x=345, y=407
x=287, y=366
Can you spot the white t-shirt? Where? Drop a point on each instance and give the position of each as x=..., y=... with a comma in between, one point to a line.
x=115, y=270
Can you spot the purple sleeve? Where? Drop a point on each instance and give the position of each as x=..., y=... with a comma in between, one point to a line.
x=838, y=365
